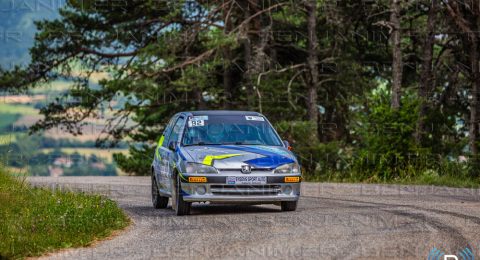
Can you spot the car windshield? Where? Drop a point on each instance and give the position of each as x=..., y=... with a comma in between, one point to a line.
x=226, y=129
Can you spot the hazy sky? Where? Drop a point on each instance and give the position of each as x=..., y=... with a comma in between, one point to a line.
x=17, y=29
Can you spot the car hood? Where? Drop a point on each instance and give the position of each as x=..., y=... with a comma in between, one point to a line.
x=234, y=156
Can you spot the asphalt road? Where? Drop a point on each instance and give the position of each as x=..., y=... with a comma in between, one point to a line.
x=333, y=221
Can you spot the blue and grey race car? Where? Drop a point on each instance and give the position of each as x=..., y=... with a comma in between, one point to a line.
x=223, y=156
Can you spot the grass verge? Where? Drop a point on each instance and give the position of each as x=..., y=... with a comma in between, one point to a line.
x=35, y=221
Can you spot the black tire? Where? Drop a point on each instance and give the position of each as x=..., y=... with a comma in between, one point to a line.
x=181, y=207
x=159, y=202
x=289, y=205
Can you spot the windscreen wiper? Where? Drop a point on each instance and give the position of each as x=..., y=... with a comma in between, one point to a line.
x=201, y=143
x=242, y=143
x=233, y=143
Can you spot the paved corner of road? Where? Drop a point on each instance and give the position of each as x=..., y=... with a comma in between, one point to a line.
x=332, y=221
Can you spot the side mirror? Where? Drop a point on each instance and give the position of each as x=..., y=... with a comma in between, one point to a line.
x=172, y=145
x=287, y=144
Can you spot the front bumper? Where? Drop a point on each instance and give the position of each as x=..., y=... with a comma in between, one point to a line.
x=216, y=189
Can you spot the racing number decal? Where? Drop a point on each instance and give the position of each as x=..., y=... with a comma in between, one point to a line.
x=194, y=122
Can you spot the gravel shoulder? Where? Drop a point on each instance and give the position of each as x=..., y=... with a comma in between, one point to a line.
x=333, y=221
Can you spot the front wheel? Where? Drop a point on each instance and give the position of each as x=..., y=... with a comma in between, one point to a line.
x=159, y=202
x=289, y=205
x=181, y=207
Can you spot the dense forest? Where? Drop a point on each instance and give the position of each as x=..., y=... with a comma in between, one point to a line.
x=363, y=90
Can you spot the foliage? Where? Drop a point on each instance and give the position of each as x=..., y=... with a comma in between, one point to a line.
x=315, y=157
x=386, y=136
x=139, y=161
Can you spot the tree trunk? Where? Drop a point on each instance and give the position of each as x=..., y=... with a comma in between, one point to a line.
x=427, y=76
x=227, y=79
x=474, y=60
x=473, y=129
x=200, y=103
x=249, y=41
x=247, y=76
x=311, y=6
x=397, y=64
x=227, y=66
x=468, y=24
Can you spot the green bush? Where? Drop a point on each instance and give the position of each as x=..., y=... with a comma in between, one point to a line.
x=382, y=148
x=386, y=138
x=315, y=157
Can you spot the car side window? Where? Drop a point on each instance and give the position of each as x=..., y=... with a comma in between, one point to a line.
x=168, y=132
x=176, y=130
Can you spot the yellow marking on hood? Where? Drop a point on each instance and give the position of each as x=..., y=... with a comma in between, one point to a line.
x=208, y=160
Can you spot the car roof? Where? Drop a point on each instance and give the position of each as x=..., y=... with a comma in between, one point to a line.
x=222, y=113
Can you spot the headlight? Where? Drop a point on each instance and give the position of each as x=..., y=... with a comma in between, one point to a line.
x=288, y=168
x=199, y=168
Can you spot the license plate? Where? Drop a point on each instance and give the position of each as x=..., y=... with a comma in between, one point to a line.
x=246, y=180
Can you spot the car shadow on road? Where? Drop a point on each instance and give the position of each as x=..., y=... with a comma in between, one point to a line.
x=204, y=209
x=218, y=209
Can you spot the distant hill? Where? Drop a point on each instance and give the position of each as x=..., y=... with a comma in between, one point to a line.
x=17, y=28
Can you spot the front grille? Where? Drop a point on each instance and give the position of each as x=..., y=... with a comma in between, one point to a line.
x=257, y=170
x=245, y=189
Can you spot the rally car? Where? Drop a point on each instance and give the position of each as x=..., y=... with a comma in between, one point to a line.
x=223, y=156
